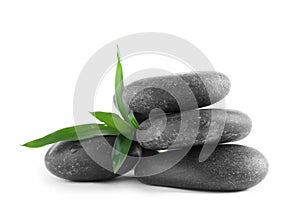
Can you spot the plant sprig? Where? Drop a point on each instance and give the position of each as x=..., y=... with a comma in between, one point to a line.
x=113, y=125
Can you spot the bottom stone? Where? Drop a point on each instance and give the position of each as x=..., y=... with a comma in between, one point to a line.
x=229, y=168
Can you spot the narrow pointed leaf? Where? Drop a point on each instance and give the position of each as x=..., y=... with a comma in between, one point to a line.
x=86, y=131
x=133, y=120
x=120, y=151
x=119, y=87
x=115, y=121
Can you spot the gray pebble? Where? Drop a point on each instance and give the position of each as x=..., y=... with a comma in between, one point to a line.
x=191, y=90
x=229, y=168
x=214, y=125
x=69, y=160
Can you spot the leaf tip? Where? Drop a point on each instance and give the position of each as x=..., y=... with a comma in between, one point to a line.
x=115, y=167
x=118, y=54
x=92, y=113
x=115, y=170
x=27, y=144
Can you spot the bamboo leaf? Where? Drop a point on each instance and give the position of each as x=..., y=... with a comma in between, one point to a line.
x=69, y=133
x=120, y=151
x=133, y=120
x=119, y=87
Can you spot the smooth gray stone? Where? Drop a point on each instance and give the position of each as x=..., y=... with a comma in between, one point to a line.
x=193, y=90
x=229, y=168
x=214, y=126
x=69, y=160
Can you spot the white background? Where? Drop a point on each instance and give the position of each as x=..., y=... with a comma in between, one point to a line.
x=45, y=45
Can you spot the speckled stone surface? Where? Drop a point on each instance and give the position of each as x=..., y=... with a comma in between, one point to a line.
x=214, y=125
x=194, y=89
x=229, y=168
x=69, y=160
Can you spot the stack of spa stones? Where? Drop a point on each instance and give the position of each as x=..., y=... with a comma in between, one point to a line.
x=173, y=131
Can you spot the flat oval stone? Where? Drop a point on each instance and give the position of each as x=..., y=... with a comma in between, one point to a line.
x=214, y=125
x=69, y=160
x=192, y=90
x=229, y=168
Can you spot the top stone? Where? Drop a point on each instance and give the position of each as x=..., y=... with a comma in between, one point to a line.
x=175, y=93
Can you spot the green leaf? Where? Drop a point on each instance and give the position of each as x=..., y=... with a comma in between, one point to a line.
x=114, y=120
x=119, y=87
x=133, y=120
x=120, y=151
x=86, y=131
